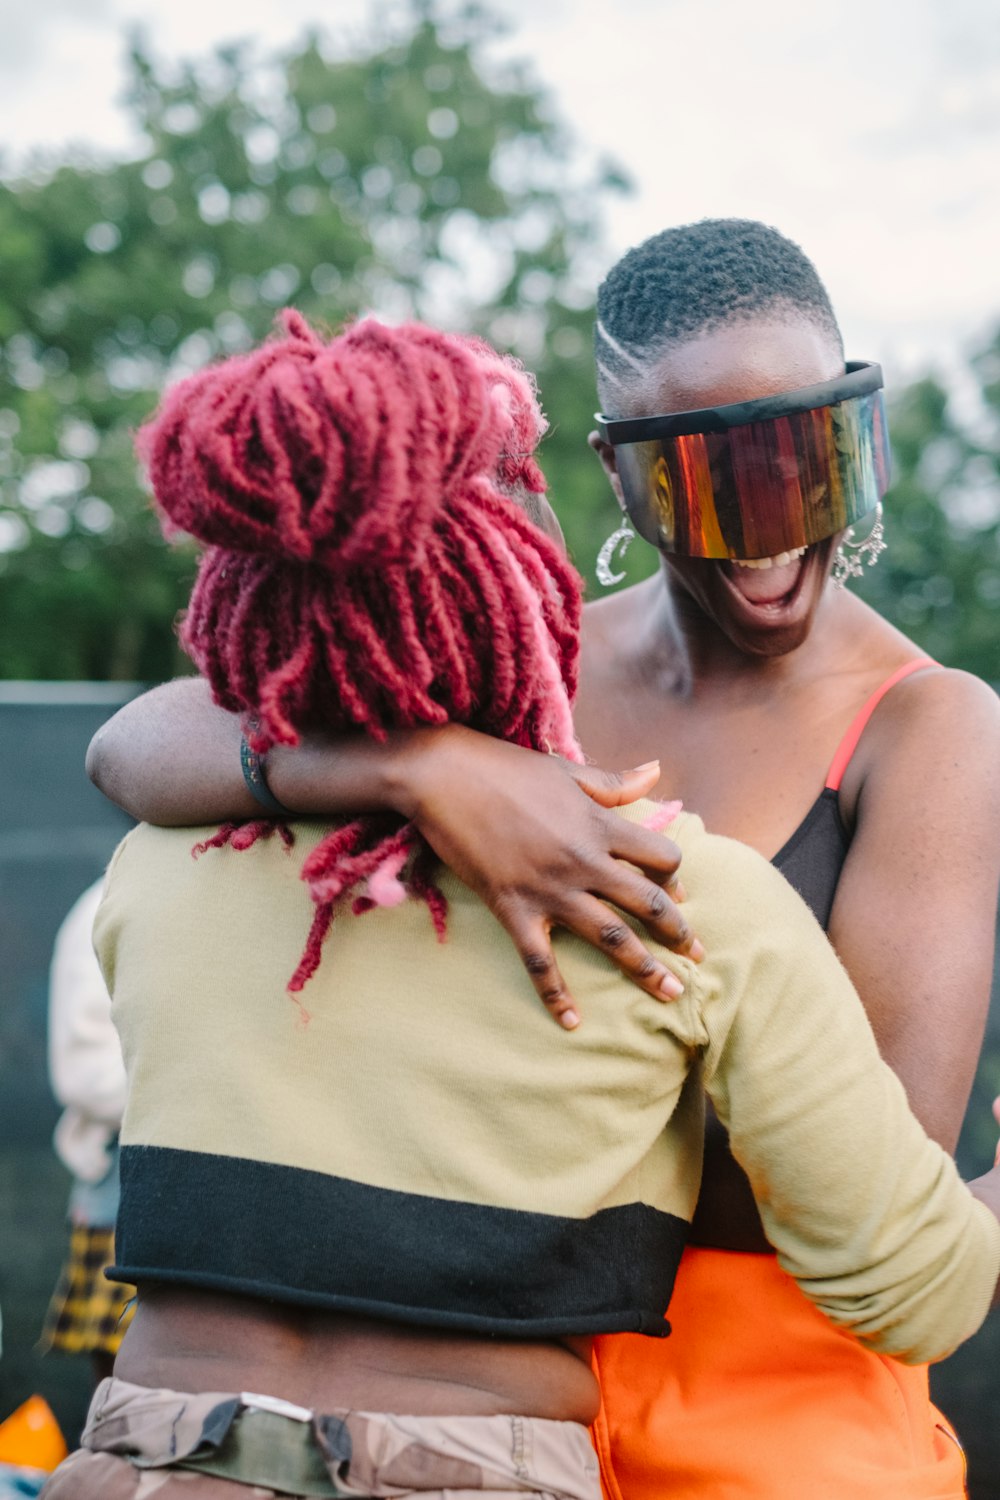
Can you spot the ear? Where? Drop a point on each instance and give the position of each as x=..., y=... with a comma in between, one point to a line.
x=606, y=453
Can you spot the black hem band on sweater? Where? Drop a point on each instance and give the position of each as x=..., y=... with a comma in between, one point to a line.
x=304, y=1238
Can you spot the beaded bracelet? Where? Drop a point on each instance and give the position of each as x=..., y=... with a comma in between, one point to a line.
x=256, y=778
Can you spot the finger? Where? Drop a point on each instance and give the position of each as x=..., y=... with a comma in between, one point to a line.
x=647, y=901
x=657, y=857
x=996, y=1110
x=532, y=938
x=606, y=929
x=615, y=788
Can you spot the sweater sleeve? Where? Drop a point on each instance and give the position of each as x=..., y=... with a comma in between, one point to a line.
x=868, y=1215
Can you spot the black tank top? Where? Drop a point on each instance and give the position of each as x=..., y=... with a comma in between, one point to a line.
x=813, y=858
x=811, y=861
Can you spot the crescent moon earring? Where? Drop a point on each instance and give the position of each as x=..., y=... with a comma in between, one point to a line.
x=620, y=538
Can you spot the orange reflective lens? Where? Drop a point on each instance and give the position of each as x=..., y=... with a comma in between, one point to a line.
x=757, y=478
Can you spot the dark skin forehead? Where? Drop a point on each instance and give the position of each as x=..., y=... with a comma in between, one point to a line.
x=737, y=362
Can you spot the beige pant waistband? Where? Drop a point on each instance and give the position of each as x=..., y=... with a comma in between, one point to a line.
x=265, y=1441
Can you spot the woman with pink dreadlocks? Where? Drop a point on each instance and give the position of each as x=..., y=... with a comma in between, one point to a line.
x=374, y=1231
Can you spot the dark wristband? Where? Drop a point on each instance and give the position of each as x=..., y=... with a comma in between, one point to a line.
x=256, y=779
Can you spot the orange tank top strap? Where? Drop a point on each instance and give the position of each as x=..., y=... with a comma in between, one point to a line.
x=856, y=728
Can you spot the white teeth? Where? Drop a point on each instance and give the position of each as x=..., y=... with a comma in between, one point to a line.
x=769, y=562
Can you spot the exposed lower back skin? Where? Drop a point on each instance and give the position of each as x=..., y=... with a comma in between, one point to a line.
x=201, y=1341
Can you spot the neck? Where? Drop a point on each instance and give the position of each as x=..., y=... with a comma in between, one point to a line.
x=659, y=649
x=711, y=657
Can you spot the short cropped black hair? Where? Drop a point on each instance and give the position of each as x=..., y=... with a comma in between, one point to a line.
x=696, y=277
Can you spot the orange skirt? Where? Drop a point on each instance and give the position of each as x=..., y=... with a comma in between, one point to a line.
x=756, y=1396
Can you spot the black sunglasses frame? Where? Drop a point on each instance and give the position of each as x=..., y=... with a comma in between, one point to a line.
x=860, y=378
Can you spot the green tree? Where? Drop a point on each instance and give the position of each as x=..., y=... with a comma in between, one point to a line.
x=401, y=175
x=939, y=579
x=398, y=172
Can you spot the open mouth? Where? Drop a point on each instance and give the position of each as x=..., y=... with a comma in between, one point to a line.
x=767, y=582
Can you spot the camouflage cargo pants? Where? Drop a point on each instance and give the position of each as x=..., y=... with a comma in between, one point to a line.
x=142, y=1444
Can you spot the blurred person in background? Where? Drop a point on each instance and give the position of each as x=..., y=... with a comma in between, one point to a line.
x=374, y=1235
x=88, y=1313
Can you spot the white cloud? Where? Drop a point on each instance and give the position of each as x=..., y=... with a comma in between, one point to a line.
x=868, y=130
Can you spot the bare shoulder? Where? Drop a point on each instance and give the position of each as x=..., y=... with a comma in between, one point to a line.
x=931, y=698
x=942, y=708
x=933, y=744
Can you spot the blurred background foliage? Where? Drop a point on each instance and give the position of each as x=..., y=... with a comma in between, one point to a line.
x=393, y=174
x=396, y=171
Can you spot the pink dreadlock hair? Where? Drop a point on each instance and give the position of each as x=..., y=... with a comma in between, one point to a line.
x=364, y=567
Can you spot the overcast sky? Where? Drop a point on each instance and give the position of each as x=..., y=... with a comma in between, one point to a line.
x=868, y=130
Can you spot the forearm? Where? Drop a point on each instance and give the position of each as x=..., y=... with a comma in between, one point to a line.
x=534, y=838
x=354, y=774
x=172, y=757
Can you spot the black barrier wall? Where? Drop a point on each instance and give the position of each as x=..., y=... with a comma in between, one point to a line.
x=56, y=835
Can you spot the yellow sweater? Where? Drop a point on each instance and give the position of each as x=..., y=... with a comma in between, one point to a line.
x=424, y=1144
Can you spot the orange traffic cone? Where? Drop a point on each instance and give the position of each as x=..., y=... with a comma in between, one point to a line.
x=31, y=1437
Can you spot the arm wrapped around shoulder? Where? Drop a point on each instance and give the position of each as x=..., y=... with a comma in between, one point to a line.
x=868, y=1214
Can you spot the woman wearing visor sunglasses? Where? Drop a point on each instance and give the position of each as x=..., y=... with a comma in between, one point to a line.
x=739, y=443
x=793, y=718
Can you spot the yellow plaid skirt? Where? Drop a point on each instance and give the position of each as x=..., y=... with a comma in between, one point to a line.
x=88, y=1314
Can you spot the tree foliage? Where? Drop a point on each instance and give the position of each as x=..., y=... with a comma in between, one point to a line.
x=397, y=175
x=397, y=172
x=939, y=579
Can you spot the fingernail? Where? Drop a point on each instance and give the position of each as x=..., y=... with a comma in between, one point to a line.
x=649, y=765
x=678, y=892
x=570, y=1020
x=671, y=986
x=696, y=952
